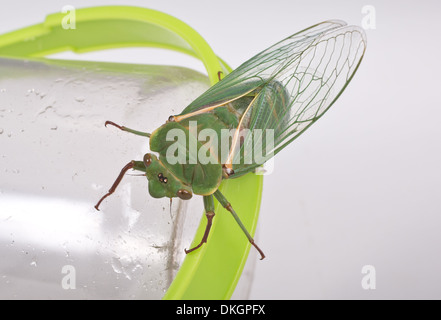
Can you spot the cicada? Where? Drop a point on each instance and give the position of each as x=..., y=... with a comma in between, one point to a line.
x=265, y=104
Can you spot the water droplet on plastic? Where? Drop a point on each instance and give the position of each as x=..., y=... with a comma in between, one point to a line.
x=116, y=265
x=33, y=263
x=80, y=99
x=96, y=186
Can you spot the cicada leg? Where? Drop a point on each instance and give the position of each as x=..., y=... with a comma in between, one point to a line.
x=136, y=165
x=138, y=133
x=224, y=202
x=209, y=213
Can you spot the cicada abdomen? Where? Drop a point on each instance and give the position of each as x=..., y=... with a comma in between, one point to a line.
x=263, y=124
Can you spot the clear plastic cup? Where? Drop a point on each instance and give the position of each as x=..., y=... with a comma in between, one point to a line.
x=56, y=161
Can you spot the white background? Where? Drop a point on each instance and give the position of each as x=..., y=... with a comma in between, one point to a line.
x=362, y=186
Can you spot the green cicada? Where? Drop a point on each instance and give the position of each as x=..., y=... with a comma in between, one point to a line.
x=265, y=103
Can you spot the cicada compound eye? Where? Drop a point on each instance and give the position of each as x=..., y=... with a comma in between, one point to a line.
x=184, y=194
x=147, y=159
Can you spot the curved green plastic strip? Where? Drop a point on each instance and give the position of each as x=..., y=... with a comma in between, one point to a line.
x=212, y=272
x=99, y=28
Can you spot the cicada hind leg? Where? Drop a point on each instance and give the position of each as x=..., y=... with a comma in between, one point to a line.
x=224, y=202
x=209, y=209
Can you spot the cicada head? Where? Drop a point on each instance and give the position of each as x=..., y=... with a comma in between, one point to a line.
x=162, y=183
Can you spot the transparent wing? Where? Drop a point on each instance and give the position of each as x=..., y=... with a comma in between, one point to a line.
x=260, y=69
x=315, y=79
x=293, y=83
x=304, y=83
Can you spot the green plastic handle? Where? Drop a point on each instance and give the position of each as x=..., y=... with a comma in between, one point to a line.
x=212, y=272
x=99, y=28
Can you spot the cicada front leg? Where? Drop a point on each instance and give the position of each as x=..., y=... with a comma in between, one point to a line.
x=135, y=165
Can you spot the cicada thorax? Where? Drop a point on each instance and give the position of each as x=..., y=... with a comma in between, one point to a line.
x=178, y=151
x=230, y=133
x=215, y=130
x=256, y=121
